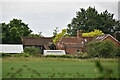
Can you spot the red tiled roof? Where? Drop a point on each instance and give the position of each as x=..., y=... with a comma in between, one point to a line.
x=71, y=40
x=74, y=45
x=74, y=41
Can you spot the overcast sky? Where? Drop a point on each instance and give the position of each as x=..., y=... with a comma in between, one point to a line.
x=45, y=16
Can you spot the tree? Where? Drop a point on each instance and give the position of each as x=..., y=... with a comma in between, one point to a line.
x=93, y=33
x=36, y=35
x=12, y=31
x=40, y=34
x=55, y=32
x=90, y=19
x=102, y=49
x=0, y=33
x=60, y=35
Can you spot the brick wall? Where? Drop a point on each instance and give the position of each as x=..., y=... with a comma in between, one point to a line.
x=73, y=50
x=114, y=41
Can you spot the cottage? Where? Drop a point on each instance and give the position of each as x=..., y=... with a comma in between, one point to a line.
x=72, y=45
x=106, y=37
x=44, y=43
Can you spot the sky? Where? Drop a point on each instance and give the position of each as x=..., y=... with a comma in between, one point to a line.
x=45, y=16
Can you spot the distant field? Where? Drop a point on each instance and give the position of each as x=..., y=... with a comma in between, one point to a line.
x=37, y=67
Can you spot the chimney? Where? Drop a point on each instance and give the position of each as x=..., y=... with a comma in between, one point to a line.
x=79, y=33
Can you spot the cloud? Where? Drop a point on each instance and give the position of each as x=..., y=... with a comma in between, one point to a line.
x=45, y=16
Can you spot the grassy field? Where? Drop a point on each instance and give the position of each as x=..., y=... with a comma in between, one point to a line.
x=37, y=67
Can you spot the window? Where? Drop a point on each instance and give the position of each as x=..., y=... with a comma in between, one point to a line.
x=52, y=47
x=82, y=42
x=78, y=50
x=85, y=40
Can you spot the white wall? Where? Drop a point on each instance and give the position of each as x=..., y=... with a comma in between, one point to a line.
x=54, y=52
x=11, y=48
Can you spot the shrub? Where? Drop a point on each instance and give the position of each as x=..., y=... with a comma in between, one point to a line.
x=32, y=51
x=91, y=49
x=26, y=54
x=59, y=56
x=106, y=49
x=102, y=49
x=117, y=52
x=15, y=55
x=6, y=55
x=82, y=55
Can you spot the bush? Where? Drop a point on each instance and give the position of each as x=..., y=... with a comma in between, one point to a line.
x=59, y=56
x=102, y=49
x=117, y=52
x=26, y=54
x=32, y=51
x=6, y=55
x=82, y=55
x=15, y=55
x=91, y=49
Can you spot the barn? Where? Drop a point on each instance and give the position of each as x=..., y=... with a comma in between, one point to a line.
x=43, y=43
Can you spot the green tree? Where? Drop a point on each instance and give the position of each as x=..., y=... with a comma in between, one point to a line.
x=103, y=49
x=36, y=35
x=40, y=34
x=33, y=35
x=12, y=31
x=89, y=19
x=55, y=32
x=60, y=35
x=0, y=33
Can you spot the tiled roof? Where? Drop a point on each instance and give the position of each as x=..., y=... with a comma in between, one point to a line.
x=74, y=45
x=74, y=41
x=71, y=40
x=80, y=41
x=36, y=40
x=103, y=37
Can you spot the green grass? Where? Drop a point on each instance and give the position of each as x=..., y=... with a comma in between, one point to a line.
x=38, y=67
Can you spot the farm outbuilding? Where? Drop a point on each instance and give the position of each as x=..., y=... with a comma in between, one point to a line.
x=43, y=43
x=11, y=48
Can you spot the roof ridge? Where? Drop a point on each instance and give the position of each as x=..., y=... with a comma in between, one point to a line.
x=34, y=37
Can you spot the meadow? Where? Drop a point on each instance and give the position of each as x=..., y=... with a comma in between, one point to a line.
x=41, y=67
